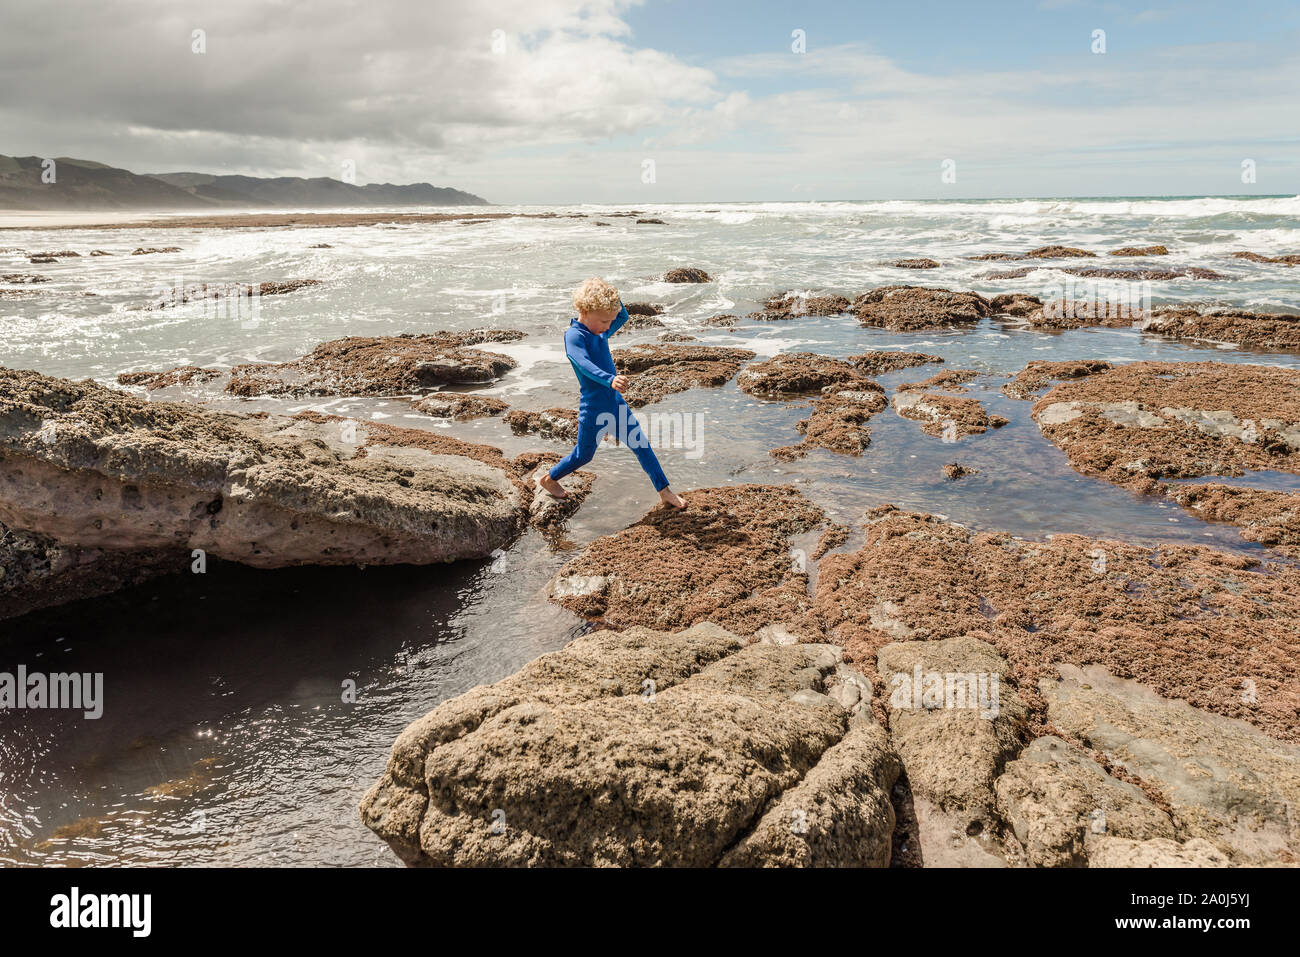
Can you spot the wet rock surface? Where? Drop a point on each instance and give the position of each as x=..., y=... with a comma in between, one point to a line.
x=945, y=416
x=559, y=424
x=907, y=308
x=1257, y=330
x=234, y=296
x=380, y=365
x=1187, y=622
x=837, y=423
x=1140, y=251
x=792, y=374
x=1149, y=420
x=460, y=406
x=686, y=274
x=1039, y=373
x=1269, y=518
x=657, y=371
x=649, y=749
x=181, y=375
x=726, y=559
x=879, y=362
x=1288, y=260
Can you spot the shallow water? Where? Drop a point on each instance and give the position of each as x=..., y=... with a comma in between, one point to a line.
x=225, y=739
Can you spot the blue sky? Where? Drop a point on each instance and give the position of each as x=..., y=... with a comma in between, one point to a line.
x=559, y=101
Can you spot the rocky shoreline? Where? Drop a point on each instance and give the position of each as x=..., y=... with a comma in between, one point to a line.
x=745, y=697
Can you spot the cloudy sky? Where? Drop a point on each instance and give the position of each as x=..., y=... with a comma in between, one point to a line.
x=556, y=101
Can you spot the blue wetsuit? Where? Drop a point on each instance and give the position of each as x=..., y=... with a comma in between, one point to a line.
x=600, y=408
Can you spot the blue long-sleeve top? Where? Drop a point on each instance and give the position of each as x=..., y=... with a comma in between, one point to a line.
x=590, y=357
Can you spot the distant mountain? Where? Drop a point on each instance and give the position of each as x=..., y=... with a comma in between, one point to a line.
x=83, y=184
x=321, y=191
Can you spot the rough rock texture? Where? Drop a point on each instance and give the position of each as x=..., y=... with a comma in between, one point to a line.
x=726, y=559
x=1058, y=800
x=799, y=373
x=1159, y=852
x=643, y=748
x=950, y=379
x=1140, y=251
x=955, y=470
x=1148, y=273
x=915, y=264
x=641, y=323
x=380, y=365
x=837, y=421
x=839, y=815
x=1147, y=420
x=944, y=416
x=831, y=539
x=1289, y=260
x=152, y=250
x=1039, y=373
x=882, y=361
x=100, y=469
x=178, y=376
x=953, y=744
x=1270, y=518
x=1225, y=781
x=643, y=309
x=907, y=308
x=1256, y=330
x=36, y=571
x=558, y=424
x=545, y=511
x=657, y=371
x=459, y=405
x=1017, y=304
x=1187, y=621
x=686, y=274
x=1058, y=252
x=792, y=304
x=179, y=295
x=1135, y=274
x=20, y=278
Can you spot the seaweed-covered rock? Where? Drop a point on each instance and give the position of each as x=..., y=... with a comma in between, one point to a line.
x=459, y=405
x=380, y=365
x=906, y=308
x=686, y=274
x=726, y=559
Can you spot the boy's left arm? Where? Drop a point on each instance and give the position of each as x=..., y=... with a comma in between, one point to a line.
x=621, y=318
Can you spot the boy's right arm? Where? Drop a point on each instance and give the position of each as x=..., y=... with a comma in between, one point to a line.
x=573, y=348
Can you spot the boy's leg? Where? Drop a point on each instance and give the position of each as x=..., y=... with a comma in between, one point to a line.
x=638, y=443
x=589, y=430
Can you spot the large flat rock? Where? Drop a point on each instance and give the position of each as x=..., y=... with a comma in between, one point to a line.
x=96, y=468
x=1225, y=781
x=644, y=748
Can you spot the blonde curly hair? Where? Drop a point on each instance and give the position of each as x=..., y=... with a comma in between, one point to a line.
x=595, y=295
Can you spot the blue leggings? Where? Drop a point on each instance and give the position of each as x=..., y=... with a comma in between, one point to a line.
x=595, y=422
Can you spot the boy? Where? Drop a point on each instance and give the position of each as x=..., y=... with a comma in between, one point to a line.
x=601, y=408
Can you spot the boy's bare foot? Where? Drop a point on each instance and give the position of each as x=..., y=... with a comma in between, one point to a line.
x=669, y=497
x=552, y=487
